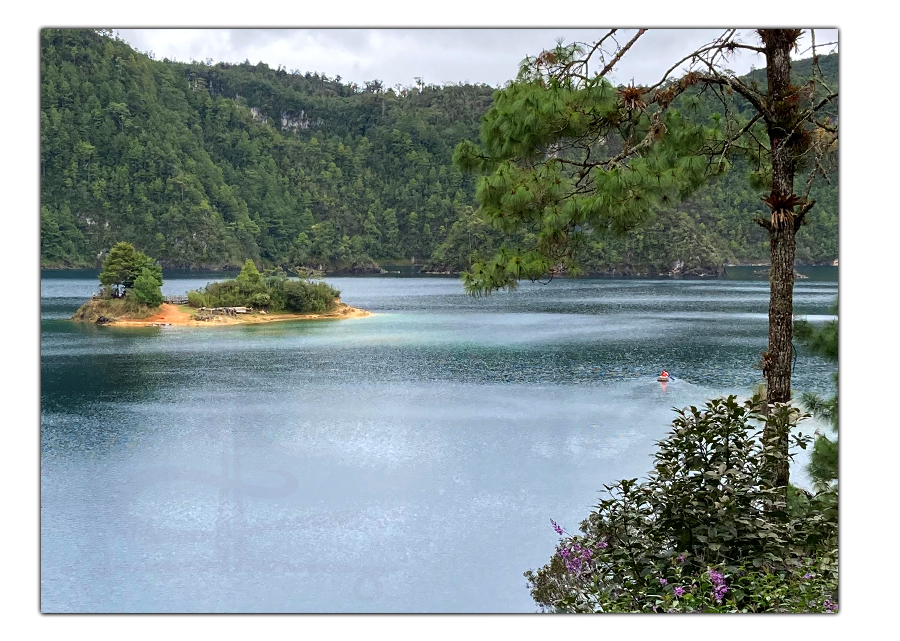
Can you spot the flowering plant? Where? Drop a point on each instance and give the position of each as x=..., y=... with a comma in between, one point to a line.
x=708, y=531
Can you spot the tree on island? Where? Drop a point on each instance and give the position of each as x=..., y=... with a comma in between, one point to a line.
x=126, y=269
x=567, y=155
x=147, y=290
x=249, y=274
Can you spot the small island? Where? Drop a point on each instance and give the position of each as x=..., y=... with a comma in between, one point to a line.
x=130, y=295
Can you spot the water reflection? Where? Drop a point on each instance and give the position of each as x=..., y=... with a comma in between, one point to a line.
x=373, y=464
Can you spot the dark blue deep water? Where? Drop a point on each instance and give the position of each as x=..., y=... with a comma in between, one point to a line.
x=410, y=461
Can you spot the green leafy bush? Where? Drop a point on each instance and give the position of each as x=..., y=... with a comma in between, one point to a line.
x=707, y=531
x=274, y=292
x=230, y=293
x=260, y=300
x=146, y=289
x=196, y=299
x=304, y=297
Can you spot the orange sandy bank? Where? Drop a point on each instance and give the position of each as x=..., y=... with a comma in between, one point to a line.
x=175, y=315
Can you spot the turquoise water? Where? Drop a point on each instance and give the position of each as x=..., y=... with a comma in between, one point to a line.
x=409, y=461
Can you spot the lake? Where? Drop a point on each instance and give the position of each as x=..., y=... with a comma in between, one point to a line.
x=409, y=461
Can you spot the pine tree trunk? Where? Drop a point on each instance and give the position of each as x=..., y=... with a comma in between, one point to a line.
x=781, y=316
x=781, y=313
x=777, y=361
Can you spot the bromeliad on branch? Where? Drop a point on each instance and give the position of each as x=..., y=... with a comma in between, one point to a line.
x=782, y=210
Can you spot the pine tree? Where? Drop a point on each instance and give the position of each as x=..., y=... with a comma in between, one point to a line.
x=823, y=341
x=566, y=155
x=146, y=289
x=249, y=274
x=124, y=265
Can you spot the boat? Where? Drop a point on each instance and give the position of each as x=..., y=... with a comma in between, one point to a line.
x=662, y=379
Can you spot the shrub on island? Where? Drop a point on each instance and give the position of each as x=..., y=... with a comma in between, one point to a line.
x=272, y=291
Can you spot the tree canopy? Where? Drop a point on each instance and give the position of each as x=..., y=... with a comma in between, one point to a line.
x=577, y=165
x=146, y=289
x=566, y=156
x=125, y=266
x=249, y=274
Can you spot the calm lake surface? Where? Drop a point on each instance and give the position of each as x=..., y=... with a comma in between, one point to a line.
x=410, y=461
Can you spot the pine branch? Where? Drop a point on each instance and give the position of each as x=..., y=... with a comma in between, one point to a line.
x=621, y=53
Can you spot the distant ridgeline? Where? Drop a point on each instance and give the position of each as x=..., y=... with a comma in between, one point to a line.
x=204, y=166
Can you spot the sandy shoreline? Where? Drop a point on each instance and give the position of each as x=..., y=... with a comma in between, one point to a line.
x=176, y=315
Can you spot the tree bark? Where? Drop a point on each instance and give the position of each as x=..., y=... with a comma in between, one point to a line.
x=781, y=316
x=783, y=114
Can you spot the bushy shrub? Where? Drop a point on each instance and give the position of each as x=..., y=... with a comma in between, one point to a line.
x=228, y=293
x=707, y=531
x=260, y=300
x=274, y=292
x=196, y=299
x=146, y=289
x=305, y=297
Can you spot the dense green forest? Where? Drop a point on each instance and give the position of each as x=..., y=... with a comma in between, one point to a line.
x=206, y=165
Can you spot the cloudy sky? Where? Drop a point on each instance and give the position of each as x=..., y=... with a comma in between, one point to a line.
x=438, y=56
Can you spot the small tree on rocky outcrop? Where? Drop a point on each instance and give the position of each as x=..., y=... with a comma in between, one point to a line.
x=124, y=266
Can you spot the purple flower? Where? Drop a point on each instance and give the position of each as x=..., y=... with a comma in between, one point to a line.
x=575, y=557
x=719, y=587
x=808, y=575
x=662, y=581
x=556, y=527
x=681, y=558
x=719, y=592
x=830, y=606
x=679, y=591
x=602, y=545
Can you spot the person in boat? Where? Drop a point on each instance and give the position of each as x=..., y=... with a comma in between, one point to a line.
x=664, y=374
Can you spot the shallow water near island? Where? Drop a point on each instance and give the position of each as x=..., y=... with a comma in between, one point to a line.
x=409, y=461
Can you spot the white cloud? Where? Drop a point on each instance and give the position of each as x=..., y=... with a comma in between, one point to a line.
x=439, y=56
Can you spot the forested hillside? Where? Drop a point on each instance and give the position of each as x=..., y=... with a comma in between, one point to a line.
x=206, y=165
